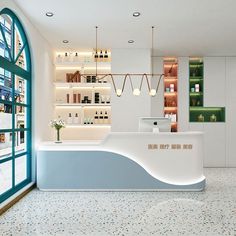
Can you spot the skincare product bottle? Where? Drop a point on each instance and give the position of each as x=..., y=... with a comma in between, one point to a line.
x=96, y=118
x=68, y=98
x=101, y=118
x=69, y=120
x=172, y=88
x=197, y=88
x=66, y=58
x=106, y=118
x=76, y=119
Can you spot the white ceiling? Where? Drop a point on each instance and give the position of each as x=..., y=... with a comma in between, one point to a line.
x=182, y=27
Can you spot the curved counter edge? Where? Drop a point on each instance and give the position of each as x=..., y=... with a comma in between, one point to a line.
x=98, y=171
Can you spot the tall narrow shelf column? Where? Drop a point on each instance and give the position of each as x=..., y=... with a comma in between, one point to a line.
x=82, y=101
x=171, y=91
x=197, y=111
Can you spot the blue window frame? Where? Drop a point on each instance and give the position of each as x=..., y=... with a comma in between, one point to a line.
x=15, y=106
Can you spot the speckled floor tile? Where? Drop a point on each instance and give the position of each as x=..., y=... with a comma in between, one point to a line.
x=208, y=213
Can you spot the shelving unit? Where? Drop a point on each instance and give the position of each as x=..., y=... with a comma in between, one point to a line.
x=84, y=104
x=171, y=91
x=197, y=111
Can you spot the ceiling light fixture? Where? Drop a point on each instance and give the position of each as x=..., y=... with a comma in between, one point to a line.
x=142, y=76
x=65, y=41
x=131, y=41
x=136, y=14
x=49, y=14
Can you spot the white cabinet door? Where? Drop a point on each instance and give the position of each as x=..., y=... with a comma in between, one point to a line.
x=214, y=145
x=157, y=102
x=196, y=127
x=183, y=93
x=214, y=82
x=231, y=112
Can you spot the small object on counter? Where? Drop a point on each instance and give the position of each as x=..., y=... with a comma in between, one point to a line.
x=172, y=88
x=192, y=90
x=167, y=90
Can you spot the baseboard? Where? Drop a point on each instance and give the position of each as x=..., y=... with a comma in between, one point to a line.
x=16, y=197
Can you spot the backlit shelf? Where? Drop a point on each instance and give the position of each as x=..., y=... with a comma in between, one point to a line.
x=170, y=108
x=196, y=93
x=65, y=85
x=88, y=125
x=62, y=105
x=170, y=93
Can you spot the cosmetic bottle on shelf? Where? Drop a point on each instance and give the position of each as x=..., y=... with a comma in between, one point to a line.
x=69, y=119
x=101, y=118
x=106, y=118
x=76, y=119
x=76, y=57
x=96, y=118
x=66, y=58
x=68, y=98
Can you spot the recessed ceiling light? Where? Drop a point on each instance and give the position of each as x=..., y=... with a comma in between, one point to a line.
x=131, y=41
x=65, y=41
x=136, y=14
x=49, y=14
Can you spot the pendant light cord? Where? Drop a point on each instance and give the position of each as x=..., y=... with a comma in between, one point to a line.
x=152, y=52
x=96, y=51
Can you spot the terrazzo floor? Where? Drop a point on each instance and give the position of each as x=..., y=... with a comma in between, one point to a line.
x=212, y=212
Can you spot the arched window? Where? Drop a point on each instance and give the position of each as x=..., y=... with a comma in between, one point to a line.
x=15, y=106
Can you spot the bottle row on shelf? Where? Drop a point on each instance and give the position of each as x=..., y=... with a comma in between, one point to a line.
x=78, y=78
x=195, y=89
x=171, y=116
x=170, y=89
x=85, y=99
x=99, y=117
x=76, y=57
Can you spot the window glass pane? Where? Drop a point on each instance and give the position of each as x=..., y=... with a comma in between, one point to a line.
x=19, y=44
x=5, y=176
x=6, y=25
x=20, y=169
x=20, y=90
x=20, y=142
x=5, y=85
x=20, y=117
x=5, y=116
x=5, y=145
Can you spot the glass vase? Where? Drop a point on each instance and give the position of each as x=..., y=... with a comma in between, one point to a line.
x=58, y=136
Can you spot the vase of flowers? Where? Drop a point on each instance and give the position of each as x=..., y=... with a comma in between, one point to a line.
x=57, y=124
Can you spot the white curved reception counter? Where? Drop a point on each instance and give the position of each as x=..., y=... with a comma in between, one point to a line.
x=124, y=161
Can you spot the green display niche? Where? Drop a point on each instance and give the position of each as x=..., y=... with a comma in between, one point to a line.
x=197, y=111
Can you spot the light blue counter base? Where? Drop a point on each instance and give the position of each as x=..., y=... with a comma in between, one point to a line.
x=97, y=171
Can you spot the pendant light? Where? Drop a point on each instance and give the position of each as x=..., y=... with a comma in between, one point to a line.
x=144, y=76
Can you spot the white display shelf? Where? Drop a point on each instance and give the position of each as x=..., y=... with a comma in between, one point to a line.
x=100, y=65
x=82, y=104
x=88, y=125
x=82, y=85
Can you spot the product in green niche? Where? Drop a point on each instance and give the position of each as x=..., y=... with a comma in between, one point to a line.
x=213, y=118
x=198, y=103
x=200, y=118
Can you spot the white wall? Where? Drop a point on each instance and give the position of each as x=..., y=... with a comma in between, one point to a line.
x=128, y=108
x=157, y=102
x=42, y=76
